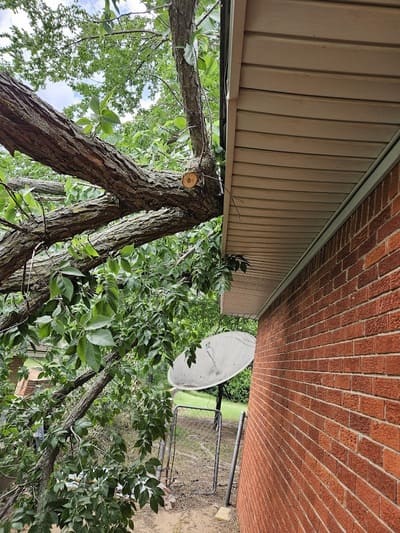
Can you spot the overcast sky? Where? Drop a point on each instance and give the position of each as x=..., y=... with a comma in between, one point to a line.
x=59, y=94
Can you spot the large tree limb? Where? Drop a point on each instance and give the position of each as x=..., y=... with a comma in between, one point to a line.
x=63, y=223
x=136, y=230
x=33, y=127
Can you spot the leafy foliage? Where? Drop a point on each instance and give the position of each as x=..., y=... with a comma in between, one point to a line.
x=127, y=319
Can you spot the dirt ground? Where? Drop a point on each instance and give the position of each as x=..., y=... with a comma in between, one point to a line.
x=193, y=510
x=189, y=515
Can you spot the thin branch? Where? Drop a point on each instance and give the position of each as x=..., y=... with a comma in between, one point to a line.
x=118, y=32
x=207, y=14
x=11, y=194
x=179, y=102
x=119, y=17
x=11, y=225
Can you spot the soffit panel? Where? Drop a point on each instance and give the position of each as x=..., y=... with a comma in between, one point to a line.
x=317, y=107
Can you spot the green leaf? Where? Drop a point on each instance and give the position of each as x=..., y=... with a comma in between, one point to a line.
x=83, y=121
x=94, y=105
x=90, y=250
x=106, y=126
x=180, y=122
x=81, y=349
x=67, y=288
x=113, y=265
x=154, y=504
x=45, y=319
x=98, y=322
x=93, y=357
x=71, y=271
x=110, y=116
x=54, y=287
x=101, y=337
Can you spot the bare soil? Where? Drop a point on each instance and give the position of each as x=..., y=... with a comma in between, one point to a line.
x=192, y=508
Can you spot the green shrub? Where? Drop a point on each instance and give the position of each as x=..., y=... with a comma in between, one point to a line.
x=236, y=389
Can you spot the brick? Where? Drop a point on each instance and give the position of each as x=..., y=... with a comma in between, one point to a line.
x=372, y=365
x=368, y=495
x=370, y=275
x=380, y=286
x=342, y=381
x=387, y=343
x=393, y=243
x=386, y=434
x=385, y=483
x=392, y=365
x=362, y=384
x=392, y=411
x=371, y=450
x=377, y=325
x=351, y=401
x=389, y=228
x=348, y=438
x=394, y=322
x=387, y=387
x=358, y=464
x=371, y=406
x=364, y=346
x=390, y=514
x=360, y=423
x=357, y=509
x=389, y=263
x=375, y=255
x=391, y=462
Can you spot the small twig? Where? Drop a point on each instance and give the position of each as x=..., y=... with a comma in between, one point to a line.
x=179, y=102
x=8, y=505
x=39, y=244
x=11, y=225
x=129, y=14
x=118, y=32
x=207, y=14
x=13, y=197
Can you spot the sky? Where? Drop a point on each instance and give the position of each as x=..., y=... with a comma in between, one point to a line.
x=58, y=94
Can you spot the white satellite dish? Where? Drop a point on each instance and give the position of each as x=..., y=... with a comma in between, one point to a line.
x=219, y=358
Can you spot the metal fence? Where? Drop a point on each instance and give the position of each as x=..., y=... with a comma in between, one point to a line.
x=198, y=453
x=193, y=449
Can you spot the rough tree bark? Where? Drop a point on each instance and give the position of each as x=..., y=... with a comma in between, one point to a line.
x=40, y=187
x=31, y=126
x=18, y=246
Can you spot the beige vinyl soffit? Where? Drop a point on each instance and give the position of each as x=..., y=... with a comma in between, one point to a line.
x=372, y=178
x=312, y=125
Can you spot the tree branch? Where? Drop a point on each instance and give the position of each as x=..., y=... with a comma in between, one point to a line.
x=134, y=230
x=118, y=32
x=17, y=246
x=182, y=23
x=31, y=126
x=46, y=463
x=45, y=187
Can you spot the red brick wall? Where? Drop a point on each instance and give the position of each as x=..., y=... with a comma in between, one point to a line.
x=322, y=447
